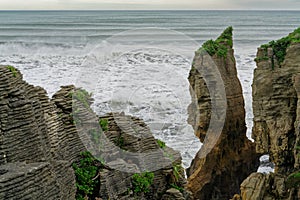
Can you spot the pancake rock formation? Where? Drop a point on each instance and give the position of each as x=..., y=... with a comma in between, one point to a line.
x=44, y=143
x=217, y=115
x=276, y=107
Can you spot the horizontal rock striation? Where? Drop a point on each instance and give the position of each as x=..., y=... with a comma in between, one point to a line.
x=276, y=128
x=131, y=149
x=37, y=146
x=217, y=115
x=40, y=139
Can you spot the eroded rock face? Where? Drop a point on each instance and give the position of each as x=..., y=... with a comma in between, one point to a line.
x=131, y=148
x=37, y=145
x=41, y=138
x=276, y=124
x=220, y=166
x=275, y=107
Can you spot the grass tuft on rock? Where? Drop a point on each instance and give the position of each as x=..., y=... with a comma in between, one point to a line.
x=82, y=96
x=293, y=180
x=85, y=172
x=103, y=124
x=280, y=46
x=161, y=144
x=219, y=46
x=12, y=70
x=142, y=182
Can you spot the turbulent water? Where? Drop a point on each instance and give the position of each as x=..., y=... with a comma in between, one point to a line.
x=135, y=61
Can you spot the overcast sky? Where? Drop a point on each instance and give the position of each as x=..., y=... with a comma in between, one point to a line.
x=149, y=4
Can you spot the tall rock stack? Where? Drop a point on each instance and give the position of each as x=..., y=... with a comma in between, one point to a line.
x=276, y=108
x=219, y=167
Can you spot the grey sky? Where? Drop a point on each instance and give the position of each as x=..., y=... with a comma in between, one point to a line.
x=149, y=4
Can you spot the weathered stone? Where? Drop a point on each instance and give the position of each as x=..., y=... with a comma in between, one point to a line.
x=228, y=157
x=35, y=143
x=131, y=149
x=41, y=138
x=173, y=194
x=276, y=125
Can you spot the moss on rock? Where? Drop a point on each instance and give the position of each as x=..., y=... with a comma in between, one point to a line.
x=280, y=46
x=220, y=45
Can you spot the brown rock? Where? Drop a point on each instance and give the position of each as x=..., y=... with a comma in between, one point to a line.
x=217, y=115
x=275, y=98
x=276, y=125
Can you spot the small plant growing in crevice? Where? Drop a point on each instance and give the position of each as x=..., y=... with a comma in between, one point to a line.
x=293, y=180
x=180, y=189
x=103, y=124
x=175, y=177
x=12, y=70
x=82, y=96
x=259, y=59
x=85, y=172
x=177, y=169
x=161, y=144
x=119, y=141
x=142, y=182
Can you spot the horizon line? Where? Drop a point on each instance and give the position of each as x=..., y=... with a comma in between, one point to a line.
x=149, y=9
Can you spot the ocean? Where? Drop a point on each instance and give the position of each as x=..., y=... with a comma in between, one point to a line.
x=135, y=61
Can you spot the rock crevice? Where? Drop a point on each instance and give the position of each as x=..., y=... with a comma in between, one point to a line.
x=276, y=120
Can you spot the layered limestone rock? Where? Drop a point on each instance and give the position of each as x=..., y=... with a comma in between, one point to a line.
x=130, y=149
x=217, y=115
x=276, y=128
x=41, y=138
x=37, y=146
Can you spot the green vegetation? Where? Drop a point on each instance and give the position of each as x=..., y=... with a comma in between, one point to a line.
x=12, y=70
x=142, y=182
x=161, y=144
x=279, y=46
x=293, y=180
x=177, y=169
x=261, y=58
x=103, y=124
x=180, y=189
x=85, y=173
x=220, y=45
x=82, y=96
x=119, y=141
x=175, y=176
x=226, y=36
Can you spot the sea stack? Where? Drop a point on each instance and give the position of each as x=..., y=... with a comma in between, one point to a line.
x=228, y=157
